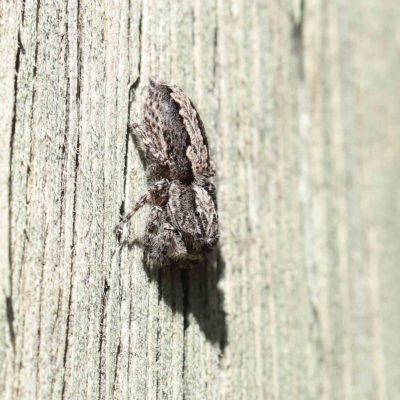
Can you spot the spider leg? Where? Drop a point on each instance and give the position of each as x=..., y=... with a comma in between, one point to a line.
x=157, y=193
x=167, y=246
x=162, y=242
x=156, y=218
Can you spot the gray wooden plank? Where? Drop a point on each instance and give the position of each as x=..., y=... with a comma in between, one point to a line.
x=299, y=299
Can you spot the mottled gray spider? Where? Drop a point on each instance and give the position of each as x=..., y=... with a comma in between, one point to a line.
x=183, y=223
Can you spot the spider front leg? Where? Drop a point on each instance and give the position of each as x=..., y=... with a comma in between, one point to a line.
x=156, y=218
x=157, y=194
x=162, y=242
x=168, y=246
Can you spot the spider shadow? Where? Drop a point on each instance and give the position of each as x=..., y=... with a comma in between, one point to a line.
x=194, y=294
x=191, y=292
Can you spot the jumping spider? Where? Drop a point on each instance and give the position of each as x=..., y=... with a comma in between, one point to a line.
x=183, y=223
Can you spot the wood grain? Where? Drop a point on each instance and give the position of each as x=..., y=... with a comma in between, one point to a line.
x=300, y=299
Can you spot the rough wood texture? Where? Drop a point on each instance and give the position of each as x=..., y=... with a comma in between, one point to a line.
x=301, y=299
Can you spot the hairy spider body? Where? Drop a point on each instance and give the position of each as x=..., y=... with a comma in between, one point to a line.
x=183, y=224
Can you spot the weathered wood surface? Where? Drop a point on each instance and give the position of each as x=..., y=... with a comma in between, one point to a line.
x=301, y=299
